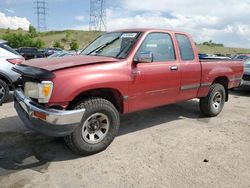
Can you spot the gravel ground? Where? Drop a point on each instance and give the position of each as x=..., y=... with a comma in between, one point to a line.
x=170, y=146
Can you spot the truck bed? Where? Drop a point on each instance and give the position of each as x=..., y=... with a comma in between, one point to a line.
x=233, y=69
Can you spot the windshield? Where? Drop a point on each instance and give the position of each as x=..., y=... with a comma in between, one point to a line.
x=116, y=44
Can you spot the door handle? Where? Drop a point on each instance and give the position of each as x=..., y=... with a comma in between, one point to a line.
x=174, y=68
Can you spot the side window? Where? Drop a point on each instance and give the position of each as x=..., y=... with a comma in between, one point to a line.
x=185, y=47
x=160, y=45
x=243, y=57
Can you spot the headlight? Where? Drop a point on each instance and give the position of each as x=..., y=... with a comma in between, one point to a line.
x=41, y=91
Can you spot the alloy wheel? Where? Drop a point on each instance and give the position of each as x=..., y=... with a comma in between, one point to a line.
x=95, y=128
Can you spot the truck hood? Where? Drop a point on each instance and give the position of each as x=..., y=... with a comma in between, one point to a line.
x=52, y=64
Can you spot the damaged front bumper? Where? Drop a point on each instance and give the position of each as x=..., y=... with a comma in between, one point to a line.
x=47, y=121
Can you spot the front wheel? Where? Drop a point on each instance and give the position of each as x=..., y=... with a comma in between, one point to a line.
x=98, y=128
x=213, y=103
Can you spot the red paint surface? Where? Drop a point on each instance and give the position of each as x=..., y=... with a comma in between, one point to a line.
x=147, y=85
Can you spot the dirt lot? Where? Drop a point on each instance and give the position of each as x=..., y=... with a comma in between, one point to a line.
x=171, y=146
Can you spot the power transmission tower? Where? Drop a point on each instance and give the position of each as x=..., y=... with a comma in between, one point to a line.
x=41, y=12
x=97, y=17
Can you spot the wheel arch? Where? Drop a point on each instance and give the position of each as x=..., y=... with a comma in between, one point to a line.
x=112, y=95
x=224, y=81
x=5, y=78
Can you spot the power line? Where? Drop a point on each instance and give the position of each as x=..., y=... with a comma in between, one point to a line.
x=41, y=12
x=97, y=17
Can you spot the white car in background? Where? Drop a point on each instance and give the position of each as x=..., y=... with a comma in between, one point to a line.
x=8, y=58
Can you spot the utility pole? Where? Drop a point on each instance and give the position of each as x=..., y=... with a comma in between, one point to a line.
x=97, y=17
x=41, y=11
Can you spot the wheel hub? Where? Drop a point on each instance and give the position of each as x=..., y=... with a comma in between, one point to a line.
x=217, y=100
x=95, y=128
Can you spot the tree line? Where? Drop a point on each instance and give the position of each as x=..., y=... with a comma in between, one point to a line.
x=31, y=39
x=211, y=43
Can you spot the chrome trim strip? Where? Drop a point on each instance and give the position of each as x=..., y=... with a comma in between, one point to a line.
x=191, y=86
x=206, y=84
x=235, y=79
x=53, y=116
x=125, y=97
x=195, y=86
x=156, y=91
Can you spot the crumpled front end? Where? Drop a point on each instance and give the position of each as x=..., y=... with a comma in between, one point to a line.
x=47, y=121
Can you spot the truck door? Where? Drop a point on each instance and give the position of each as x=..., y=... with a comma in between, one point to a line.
x=190, y=68
x=156, y=83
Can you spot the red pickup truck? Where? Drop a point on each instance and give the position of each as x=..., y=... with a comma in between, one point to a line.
x=81, y=97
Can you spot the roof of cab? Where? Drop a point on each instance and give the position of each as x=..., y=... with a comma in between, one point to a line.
x=148, y=30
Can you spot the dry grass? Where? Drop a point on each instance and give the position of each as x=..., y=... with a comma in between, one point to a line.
x=221, y=50
x=83, y=38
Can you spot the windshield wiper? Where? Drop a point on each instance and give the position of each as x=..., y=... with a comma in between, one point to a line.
x=125, y=49
x=99, y=48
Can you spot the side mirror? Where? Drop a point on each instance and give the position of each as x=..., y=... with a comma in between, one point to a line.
x=144, y=57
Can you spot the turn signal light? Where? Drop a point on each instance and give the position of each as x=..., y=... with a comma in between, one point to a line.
x=40, y=115
x=15, y=61
x=46, y=90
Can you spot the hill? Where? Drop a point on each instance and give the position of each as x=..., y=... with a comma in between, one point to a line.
x=221, y=50
x=83, y=38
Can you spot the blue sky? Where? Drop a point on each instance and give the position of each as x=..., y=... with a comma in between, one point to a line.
x=61, y=14
x=222, y=21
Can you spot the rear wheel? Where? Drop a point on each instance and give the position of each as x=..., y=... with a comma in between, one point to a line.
x=213, y=103
x=98, y=128
x=4, y=92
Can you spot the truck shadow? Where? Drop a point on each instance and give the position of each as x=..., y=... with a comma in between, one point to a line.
x=22, y=149
x=145, y=119
x=241, y=92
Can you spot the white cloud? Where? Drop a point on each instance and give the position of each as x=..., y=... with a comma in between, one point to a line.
x=244, y=30
x=80, y=27
x=221, y=21
x=13, y=22
x=80, y=18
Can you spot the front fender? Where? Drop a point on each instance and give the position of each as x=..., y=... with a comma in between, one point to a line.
x=70, y=83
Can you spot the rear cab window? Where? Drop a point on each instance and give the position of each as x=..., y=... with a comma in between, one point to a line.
x=185, y=47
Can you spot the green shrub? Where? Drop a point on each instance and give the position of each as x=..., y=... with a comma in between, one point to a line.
x=32, y=31
x=57, y=44
x=74, y=45
x=17, y=40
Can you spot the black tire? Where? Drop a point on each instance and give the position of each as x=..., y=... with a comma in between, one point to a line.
x=4, y=92
x=209, y=105
x=76, y=141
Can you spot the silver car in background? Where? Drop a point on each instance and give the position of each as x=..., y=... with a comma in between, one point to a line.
x=245, y=83
x=8, y=58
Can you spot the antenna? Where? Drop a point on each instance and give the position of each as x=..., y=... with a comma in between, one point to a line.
x=97, y=17
x=41, y=12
